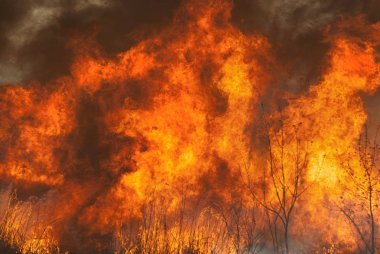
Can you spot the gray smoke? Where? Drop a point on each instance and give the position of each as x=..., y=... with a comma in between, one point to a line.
x=34, y=34
x=296, y=31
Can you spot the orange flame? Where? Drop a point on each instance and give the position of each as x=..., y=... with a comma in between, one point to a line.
x=172, y=118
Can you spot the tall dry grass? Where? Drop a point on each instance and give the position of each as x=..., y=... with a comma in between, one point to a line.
x=22, y=227
x=195, y=230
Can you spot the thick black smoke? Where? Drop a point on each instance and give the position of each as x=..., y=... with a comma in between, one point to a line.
x=296, y=29
x=34, y=34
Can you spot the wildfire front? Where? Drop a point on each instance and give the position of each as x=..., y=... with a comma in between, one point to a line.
x=189, y=126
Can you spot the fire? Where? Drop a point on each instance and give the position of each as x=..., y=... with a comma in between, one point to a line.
x=153, y=151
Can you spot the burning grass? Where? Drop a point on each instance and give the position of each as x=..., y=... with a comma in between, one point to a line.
x=174, y=147
x=21, y=229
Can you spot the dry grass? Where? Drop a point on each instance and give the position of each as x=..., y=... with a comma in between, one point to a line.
x=191, y=231
x=21, y=228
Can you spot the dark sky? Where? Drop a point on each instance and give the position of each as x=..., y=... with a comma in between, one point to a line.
x=34, y=34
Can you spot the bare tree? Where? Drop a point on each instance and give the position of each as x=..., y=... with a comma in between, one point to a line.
x=283, y=182
x=361, y=196
x=241, y=226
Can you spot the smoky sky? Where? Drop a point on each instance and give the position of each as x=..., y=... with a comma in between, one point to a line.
x=34, y=34
x=295, y=29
